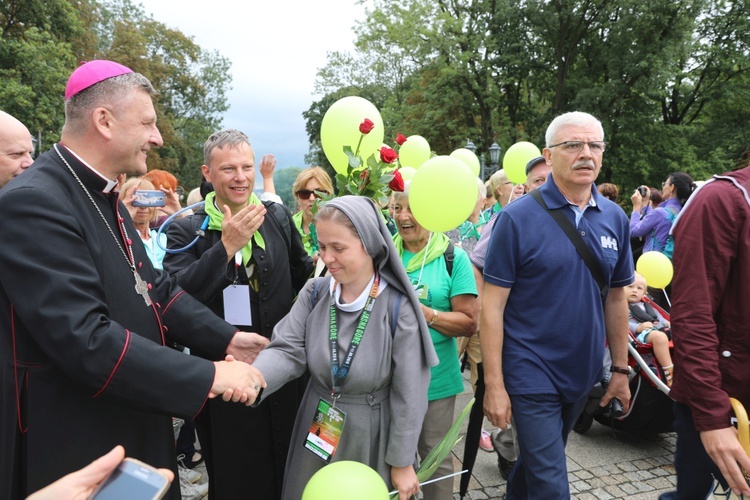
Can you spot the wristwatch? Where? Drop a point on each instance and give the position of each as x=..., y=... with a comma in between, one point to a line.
x=617, y=369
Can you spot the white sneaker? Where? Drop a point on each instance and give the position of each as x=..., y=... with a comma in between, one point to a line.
x=192, y=491
x=190, y=476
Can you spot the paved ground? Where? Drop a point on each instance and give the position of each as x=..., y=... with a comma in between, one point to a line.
x=601, y=465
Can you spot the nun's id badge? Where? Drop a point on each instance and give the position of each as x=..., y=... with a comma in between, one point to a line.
x=325, y=431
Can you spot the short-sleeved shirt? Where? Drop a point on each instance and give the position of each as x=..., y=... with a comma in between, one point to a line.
x=554, y=332
x=446, y=376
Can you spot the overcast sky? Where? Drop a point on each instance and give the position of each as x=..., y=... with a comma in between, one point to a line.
x=276, y=48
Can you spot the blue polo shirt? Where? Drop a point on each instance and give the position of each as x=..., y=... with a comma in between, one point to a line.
x=554, y=337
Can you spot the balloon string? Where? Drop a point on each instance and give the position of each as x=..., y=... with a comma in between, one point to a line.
x=434, y=480
x=667, y=297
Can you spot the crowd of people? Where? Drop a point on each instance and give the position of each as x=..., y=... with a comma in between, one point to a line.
x=110, y=329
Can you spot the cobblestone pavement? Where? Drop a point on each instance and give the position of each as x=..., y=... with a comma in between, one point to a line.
x=601, y=464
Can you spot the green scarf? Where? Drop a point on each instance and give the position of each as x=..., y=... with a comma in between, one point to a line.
x=216, y=217
x=434, y=249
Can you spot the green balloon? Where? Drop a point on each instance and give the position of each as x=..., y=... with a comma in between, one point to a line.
x=467, y=156
x=516, y=158
x=340, y=127
x=414, y=152
x=407, y=173
x=346, y=480
x=442, y=193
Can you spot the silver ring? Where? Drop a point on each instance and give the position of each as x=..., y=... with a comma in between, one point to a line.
x=256, y=387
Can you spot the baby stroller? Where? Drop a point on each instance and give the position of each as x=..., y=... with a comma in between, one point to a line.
x=650, y=409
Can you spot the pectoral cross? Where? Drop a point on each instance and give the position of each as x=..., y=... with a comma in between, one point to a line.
x=141, y=288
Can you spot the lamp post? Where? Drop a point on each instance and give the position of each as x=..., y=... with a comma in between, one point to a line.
x=495, y=151
x=470, y=146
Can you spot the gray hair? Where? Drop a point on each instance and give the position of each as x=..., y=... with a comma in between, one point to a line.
x=399, y=196
x=218, y=140
x=577, y=118
x=111, y=91
x=496, y=180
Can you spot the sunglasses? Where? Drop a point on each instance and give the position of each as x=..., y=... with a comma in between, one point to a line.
x=304, y=194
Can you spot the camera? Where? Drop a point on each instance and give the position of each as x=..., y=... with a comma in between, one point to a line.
x=644, y=191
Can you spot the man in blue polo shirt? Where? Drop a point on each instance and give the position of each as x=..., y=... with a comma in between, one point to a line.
x=543, y=321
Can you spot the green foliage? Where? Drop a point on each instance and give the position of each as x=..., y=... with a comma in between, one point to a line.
x=284, y=179
x=669, y=79
x=42, y=40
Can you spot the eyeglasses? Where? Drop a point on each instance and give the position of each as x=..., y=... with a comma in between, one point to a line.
x=304, y=194
x=596, y=147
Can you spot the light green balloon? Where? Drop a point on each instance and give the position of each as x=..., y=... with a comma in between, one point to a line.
x=442, y=194
x=340, y=127
x=516, y=158
x=414, y=152
x=407, y=173
x=467, y=156
x=346, y=480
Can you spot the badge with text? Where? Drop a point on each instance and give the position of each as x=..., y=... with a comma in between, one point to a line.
x=237, y=305
x=422, y=291
x=325, y=431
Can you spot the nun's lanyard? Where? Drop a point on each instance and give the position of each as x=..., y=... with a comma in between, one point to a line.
x=339, y=373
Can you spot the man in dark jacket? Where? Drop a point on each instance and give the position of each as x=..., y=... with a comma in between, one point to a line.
x=247, y=266
x=710, y=318
x=83, y=313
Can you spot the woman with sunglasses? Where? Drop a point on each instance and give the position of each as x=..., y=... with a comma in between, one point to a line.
x=311, y=184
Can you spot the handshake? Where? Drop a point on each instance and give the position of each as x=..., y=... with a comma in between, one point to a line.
x=235, y=380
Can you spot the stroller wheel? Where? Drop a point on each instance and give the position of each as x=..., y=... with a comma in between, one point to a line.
x=583, y=424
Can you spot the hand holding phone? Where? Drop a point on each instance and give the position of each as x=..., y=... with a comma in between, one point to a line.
x=132, y=479
x=149, y=198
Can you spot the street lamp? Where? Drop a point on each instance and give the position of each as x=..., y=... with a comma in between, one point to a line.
x=470, y=146
x=495, y=151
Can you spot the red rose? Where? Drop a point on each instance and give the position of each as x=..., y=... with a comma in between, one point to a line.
x=388, y=155
x=400, y=139
x=397, y=184
x=366, y=126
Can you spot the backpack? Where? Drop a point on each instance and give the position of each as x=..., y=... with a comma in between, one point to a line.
x=394, y=301
x=668, y=249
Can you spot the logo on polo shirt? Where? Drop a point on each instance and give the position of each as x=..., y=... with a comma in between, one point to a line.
x=609, y=242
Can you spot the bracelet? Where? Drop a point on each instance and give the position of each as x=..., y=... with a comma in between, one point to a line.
x=434, y=318
x=617, y=369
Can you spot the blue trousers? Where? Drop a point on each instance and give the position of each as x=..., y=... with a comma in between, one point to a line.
x=543, y=422
x=695, y=469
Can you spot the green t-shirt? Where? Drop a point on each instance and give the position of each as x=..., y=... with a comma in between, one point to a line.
x=306, y=239
x=446, y=376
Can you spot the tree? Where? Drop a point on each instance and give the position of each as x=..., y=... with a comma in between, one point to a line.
x=284, y=180
x=658, y=74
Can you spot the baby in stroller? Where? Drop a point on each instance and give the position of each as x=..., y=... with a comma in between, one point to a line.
x=649, y=326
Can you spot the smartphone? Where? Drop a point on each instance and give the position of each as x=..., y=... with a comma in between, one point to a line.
x=643, y=190
x=147, y=198
x=132, y=480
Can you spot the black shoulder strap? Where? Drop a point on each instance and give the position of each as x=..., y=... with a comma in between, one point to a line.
x=282, y=225
x=449, y=256
x=394, y=305
x=583, y=250
x=317, y=285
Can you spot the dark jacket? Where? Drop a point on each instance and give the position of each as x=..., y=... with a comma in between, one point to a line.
x=83, y=365
x=245, y=445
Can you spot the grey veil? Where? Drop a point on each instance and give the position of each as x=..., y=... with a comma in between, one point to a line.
x=378, y=243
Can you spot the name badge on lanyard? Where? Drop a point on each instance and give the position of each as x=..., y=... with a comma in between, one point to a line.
x=325, y=432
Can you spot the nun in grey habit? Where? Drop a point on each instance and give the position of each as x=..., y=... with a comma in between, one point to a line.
x=384, y=395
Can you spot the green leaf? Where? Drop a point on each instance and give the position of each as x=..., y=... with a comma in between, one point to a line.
x=433, y=459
